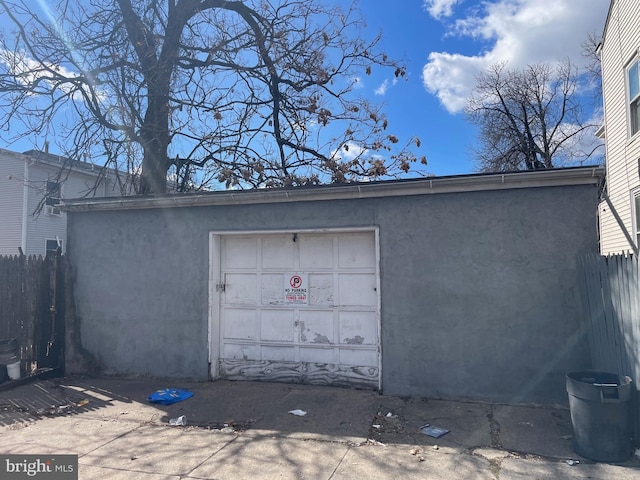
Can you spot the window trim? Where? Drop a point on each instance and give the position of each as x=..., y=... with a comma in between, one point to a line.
x=47, y=250
x=632, y=105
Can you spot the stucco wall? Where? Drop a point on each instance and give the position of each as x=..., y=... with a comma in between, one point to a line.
x=479, y=290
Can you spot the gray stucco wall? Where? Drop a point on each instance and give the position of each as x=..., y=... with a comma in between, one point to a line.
x=479, y=291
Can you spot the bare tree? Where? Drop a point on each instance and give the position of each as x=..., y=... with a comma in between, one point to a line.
x=529, y=118
x=591, y=53
x=246, y=93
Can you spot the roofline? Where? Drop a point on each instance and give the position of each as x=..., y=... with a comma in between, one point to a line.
x=590, y=175
x=606, y=24
x=60, y=161
x=73, y=165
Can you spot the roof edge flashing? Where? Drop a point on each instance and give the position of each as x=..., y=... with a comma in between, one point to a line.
x=408, y=187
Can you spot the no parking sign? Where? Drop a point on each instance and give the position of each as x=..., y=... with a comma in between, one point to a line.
x=296, y=289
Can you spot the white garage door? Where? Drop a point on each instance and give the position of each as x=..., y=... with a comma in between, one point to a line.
x=298, y=307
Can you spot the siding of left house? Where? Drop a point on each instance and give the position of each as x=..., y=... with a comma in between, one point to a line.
x=12, y=169
x=23, y=182
x=42, y=226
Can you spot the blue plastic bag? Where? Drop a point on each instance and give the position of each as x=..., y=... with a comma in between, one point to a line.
x=167, y=396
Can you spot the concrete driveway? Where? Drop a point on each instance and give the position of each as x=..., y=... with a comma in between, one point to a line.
x=243, y=430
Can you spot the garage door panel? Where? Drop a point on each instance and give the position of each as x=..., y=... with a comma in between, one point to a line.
x=321, y=289
x=358, y=328
x=240, y=288
x=358, y=357
x=240, y=253
x=357, y=290
x=317, y=355
x=240, y=324
x=278, y=252
x=278, y=354
x=277, y=325
x=316, y=252
x=234, y=351
x=271, y=289
x=316, y=326
x=356, y=250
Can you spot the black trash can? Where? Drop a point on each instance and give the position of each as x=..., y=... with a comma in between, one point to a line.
x=600, y=405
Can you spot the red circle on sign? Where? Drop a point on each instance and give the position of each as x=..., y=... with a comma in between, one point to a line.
x=295, y=281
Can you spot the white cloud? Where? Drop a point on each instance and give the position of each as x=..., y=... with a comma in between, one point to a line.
x=384, y=86
x=451, y=77
x=440, y=8
x=520, y=32
x=25, y=69
x=382, y=89
x=349, y=151
x=586, y=143
x=28, y=71
x=356, y=83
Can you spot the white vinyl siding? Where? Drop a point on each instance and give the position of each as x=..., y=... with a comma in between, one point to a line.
x=618, y=52
x=41, y=226
x=12, y=168
x=23, y=185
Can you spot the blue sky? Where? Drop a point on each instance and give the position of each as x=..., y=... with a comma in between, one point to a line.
x=445, y=44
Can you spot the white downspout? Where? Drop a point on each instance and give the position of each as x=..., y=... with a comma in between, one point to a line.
x=25, y=207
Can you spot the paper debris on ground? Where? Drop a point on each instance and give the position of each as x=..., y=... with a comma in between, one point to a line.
x=435, y=432
x=180, y=421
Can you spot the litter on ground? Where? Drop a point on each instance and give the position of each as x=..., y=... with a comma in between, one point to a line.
x=298, y=412
x=167, y=396
x=180, y=421
x=435, y=432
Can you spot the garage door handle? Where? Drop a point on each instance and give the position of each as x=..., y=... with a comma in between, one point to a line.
x=220, y=287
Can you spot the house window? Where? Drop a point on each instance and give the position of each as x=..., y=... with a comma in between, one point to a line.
x=52, y=246
x=633, y=82
x=52, y=199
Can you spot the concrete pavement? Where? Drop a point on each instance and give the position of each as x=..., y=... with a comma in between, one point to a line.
x=243, y=430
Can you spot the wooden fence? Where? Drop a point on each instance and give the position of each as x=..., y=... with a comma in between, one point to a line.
x=32, y=301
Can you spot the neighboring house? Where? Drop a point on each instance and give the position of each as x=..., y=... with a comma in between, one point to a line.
x=33, y=179
x=619, y=211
